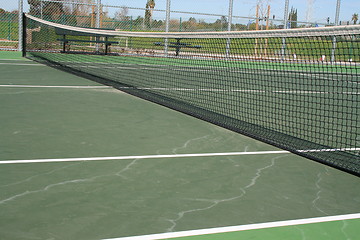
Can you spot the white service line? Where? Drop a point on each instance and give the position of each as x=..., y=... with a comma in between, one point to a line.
x=241, y=228
x=167, y=156
x=139, y=157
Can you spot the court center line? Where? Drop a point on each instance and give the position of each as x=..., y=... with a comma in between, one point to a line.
x=166, y=156
x=241, y=228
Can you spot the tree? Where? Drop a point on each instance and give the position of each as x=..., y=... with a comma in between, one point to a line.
x=221, y=24
x=53, y=10
x=35, y=7
x=76, y=12
x=293, y=18
x=355, y=18
x=150, y=5
x=122, y=14
x=50, y=10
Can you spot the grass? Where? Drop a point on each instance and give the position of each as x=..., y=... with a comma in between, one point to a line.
x=9, y=30
x=296, y=54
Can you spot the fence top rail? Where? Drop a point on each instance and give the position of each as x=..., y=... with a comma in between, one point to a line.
x=277, y=33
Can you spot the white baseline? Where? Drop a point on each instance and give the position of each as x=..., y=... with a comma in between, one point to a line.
x=241, y=228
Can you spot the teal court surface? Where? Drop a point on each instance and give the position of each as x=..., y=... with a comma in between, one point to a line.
x=80, y=160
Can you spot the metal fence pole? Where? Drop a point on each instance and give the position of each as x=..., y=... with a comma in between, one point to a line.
x=41, y=9
x=167, y=20
x=333, y=50
x=9, y=20
x=286, y=14
x=98, y=13
x=97, y=21
x=338, y=3
x=167, y=25
x=230, y=17
x=21, y=10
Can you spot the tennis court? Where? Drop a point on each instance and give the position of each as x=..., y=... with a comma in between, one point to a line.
x=81, y=160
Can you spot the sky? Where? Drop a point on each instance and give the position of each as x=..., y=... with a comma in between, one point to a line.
x=321, y=9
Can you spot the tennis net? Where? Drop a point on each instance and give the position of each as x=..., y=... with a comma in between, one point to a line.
x=297, y=89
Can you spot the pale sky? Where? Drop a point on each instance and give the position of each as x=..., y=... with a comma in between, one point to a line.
x=321, y=9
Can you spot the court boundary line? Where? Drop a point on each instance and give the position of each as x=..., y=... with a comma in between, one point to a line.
x=23, y=64
x=49, y=86
x=21, y=59
x=52, y=160
x=255, y=226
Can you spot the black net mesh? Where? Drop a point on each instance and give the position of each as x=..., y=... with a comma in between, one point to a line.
x=298, y=90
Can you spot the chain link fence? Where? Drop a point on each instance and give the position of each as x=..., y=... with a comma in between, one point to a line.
x=132, y=16
x=9, y=30
x=145, y=15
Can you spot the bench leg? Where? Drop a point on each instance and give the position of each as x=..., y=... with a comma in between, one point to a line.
x=64, y=44
x=106, y=48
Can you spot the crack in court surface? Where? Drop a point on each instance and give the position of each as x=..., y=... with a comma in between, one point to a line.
x=214, y=203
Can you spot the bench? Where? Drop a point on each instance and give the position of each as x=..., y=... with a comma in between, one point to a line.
x=64, y=33
x=178, y=45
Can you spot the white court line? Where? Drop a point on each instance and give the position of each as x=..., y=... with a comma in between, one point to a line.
x=329, y=150
x=25, y=60
x=241, y=228
x=24, y=64
x=46, y=86
x=186, y=89
x=167, y=156
x=139, y=157
x=240, y=90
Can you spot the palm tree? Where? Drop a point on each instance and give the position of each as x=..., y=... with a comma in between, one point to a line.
x=355, y=18
x=150, y=5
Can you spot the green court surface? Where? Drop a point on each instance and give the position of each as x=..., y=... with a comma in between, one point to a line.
x=79, y=160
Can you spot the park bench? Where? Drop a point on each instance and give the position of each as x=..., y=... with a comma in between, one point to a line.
x=99, y=39
x=178, y=45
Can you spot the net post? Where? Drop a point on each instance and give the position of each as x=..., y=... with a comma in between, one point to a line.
x=23, y=33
